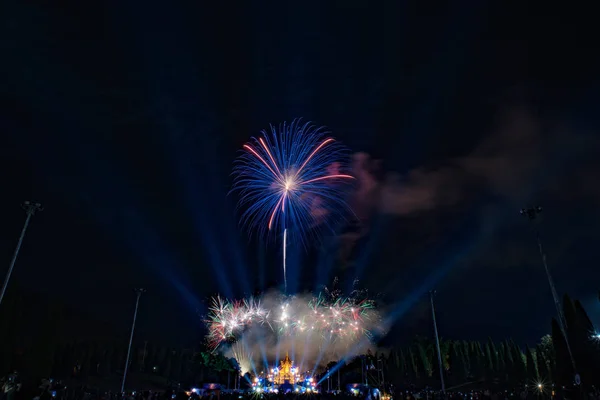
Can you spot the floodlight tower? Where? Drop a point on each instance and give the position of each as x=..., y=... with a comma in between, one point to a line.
x=139, y=293
x=30, y=209
x=437, y=343
x=531, y=214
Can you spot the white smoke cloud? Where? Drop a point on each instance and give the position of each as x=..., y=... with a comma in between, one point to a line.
x=296, y=328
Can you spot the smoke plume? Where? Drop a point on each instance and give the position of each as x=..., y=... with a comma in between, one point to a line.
x=510, y=163
x=263, y=343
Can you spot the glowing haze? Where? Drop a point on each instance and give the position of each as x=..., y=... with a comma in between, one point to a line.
x=314, y=330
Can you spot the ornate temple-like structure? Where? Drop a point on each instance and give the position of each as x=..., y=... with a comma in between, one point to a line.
x=286, y=373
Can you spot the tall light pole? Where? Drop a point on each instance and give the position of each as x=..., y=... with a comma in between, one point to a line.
x=531, y=214
x=362, y=364
x=380, y=365
x=437, y=342
x=137, y=303
x=30, y=208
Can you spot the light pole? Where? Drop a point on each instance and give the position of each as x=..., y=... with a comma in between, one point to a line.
x=137, y=303
x=531, y=214
x=30, y=208
x=437, y=343
x=380, y=362
x=362, y=364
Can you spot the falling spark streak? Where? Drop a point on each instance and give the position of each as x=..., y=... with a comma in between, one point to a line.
x=284, y=260
x=250, y=149
x=327, y=177
x=270, y=155
x=313, y=153
x=274, y=212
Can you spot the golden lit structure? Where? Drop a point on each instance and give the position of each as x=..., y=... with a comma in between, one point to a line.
x=286, y=373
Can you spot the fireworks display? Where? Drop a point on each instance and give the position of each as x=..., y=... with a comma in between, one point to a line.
x=290, y=177
x=291, y=181
x=328, y=317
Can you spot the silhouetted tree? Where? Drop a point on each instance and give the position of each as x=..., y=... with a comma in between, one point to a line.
x=543, y=367
x=426, y=359
x=166, y=369
x=459, y=368
x=489, y=363
x=546, y=347
x=502, y=365
x=413, y=368
x=563, y=368
x=178, y=366
x=532, y=371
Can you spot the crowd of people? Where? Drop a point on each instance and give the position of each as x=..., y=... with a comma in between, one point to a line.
x=10, y=385
x=49, y=389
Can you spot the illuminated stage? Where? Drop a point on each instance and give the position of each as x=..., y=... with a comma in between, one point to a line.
x=285, y=378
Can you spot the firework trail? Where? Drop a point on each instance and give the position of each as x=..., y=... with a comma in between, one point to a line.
x=289, y=177
x=285, y=260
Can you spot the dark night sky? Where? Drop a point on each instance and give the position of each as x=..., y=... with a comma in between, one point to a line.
x=124, y=120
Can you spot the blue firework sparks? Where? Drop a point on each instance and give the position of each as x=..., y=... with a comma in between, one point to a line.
x=290, y=177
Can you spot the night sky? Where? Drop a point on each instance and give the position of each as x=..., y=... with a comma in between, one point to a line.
x=124, y=120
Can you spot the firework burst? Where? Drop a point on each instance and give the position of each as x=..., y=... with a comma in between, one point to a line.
x=290, y=178
x=227, y=319
x=328, y=316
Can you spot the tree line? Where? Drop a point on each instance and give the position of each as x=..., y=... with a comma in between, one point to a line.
x=485, y=363
x=82, y=360
x=502, y=363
